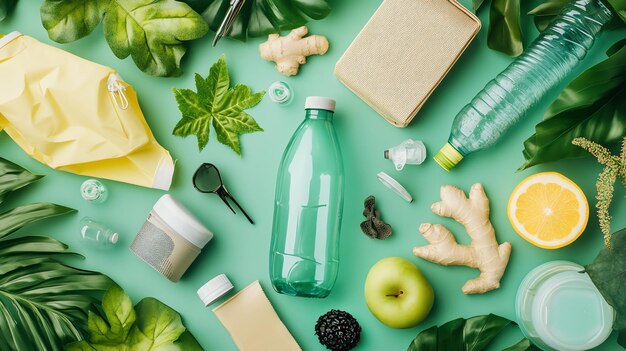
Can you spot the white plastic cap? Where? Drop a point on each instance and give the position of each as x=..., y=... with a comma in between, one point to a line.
x=394, y=185
x=320, y=102
x=214, y=289
x=182, y=221
x=114, y=238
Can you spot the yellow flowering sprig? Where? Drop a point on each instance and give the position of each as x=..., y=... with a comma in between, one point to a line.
x=615, y=166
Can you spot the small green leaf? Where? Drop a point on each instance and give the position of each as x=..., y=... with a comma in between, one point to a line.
x=523, y=345
x=546, y=12
x=473, y=334
x=5, y=8
x=217, y=104
x=592, y=106
x=608, y=273
x=505, y=33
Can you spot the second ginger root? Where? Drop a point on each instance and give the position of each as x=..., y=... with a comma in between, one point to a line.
x=483, y=253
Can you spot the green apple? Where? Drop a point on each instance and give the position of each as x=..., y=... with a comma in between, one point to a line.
x=397, y=293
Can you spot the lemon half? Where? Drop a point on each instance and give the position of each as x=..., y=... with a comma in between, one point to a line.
x=548, y=210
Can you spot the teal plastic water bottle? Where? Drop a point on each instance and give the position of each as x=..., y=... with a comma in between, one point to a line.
x=304, y=252
x=504, y=100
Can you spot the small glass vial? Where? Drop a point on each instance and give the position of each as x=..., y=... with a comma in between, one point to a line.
x=96, y=233
x=280, y=92
x=94, y=191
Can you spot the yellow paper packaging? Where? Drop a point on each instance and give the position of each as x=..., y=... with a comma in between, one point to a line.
x=77, y=116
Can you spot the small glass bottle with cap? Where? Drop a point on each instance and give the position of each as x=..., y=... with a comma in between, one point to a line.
x=97, y=233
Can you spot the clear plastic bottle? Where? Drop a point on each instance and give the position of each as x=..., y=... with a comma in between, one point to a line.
x=504, y=100
x=97, y=233
x=304, y=252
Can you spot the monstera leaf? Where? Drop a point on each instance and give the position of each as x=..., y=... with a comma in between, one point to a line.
x=152, y=32
x=43, y=302
x=472, y=334
x=262, y=17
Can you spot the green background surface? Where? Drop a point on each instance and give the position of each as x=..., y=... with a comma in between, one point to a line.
x=241, y=250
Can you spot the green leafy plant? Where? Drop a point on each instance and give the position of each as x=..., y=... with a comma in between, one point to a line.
x=43, y=302
x=149, y=326
x=592, y=106
x=215, y=102
x=608, y=273
x=262, y=17
x=5, y=7
x=472, y=334
x=152, y=32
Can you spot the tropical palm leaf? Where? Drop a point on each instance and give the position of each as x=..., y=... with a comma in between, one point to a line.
x=261, y=17
x=43, y=302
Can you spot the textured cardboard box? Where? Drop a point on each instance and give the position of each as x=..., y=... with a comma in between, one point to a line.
x=404, y=52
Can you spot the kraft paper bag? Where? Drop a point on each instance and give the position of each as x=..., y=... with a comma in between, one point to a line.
x=77, y=116
x=403, y=52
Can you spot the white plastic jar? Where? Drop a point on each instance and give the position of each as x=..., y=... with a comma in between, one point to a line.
x=559, y=308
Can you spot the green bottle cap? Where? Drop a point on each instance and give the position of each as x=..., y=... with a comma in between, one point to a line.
x=448, y=157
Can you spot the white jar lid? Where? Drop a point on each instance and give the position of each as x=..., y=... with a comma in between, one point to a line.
x=182, y=221
x=394, y=185
x=319, y=102
x=214, y=289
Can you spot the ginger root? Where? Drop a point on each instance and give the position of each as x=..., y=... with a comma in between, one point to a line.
x=290, y=51
x=483, y=253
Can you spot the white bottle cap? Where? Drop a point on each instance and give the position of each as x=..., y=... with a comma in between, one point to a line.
x=114, y=238
x=214, y=289
x=395, y=186
x=319, y=102
x=182, y=221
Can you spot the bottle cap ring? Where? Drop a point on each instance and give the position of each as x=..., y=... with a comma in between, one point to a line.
x=395, y=186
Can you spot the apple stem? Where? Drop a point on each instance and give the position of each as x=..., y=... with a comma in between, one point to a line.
x=396, y=295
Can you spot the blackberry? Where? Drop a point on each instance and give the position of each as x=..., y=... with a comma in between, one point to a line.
x=338, y=330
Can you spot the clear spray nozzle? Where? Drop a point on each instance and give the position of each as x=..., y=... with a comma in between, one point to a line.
x=412, y=152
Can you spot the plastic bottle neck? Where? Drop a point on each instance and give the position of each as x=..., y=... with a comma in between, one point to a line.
x=319, y=114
